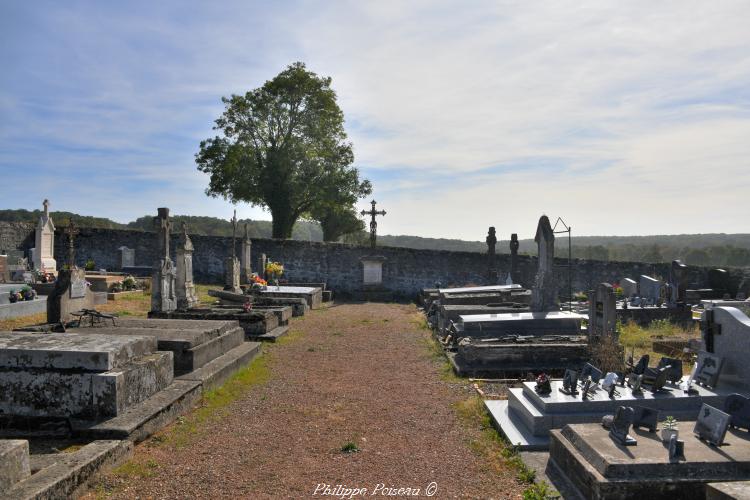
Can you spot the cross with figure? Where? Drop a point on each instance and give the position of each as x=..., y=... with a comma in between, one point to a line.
x=71, y=231
x=373, y=224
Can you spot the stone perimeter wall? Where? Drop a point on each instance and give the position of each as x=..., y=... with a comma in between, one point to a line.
x=405, y=272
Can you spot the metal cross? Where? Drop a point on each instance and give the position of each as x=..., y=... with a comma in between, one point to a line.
x=234, y=235
x=71, y=231
x=373, y=224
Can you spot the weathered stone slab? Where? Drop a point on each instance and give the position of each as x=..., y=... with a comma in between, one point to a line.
x=313, y=296
x=476, y=289
x=521, y=323
x=96, y=353
x=14, y=462
x=601, y=468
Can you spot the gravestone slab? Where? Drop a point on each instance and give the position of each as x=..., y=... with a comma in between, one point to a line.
x=127, y=257
x=14, y=462
x=69, y=295
x=602, y=311
x=726, y=334
x=650, y=289
x=708, y=368
x=645, y=417
x=738, y=407
x=372, y=270
x=711, y=425
x=620, y=429
x=629, y=287
x=544, y=292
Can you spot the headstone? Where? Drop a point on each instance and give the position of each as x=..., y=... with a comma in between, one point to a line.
x=4, y=270
x=262, y=261
x=570, y=383
x=585, y=389
x=712, y=425
x=602, y=312
x=591, y=371
x=642, y=365
x=544, y=293
x=629, y=287
x=635, y=381
x=232, y=275
x=185, y=289
x=725, y=334
x=645, y=417
x=677, y=282
x=44, y=255
x=708, y=369
x=674, y=368
x=660, y=380
x=163, y=297
x=246, y=259
x=514, y=272
x=372, y=270
x=127, y=257
x=621, y=426
x=70, y=295
x=718, y=280
x=738, y=407
x=650, y=289
x=491, y=240
x=676, y=448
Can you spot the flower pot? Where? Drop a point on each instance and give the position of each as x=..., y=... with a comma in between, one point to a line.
x=12, y=298
x=666, y=434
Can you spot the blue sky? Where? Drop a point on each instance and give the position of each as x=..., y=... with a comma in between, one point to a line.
x=621, y=117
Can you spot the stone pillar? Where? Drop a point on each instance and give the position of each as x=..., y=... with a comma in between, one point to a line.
x=544, y=293
x=232, y=275
x=246, y=259
x=602, y=311
x=43, y=258
x=164, y=273
x=514, y=259
x=70, y=294
x=185, y=289
x=492, y=275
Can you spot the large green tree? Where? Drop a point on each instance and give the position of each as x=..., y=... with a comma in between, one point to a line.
x=282, y=146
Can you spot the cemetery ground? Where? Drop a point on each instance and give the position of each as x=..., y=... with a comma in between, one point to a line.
x=357, y=395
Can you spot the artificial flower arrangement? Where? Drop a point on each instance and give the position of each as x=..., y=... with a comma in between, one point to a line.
x=126, y=285
x=257, y=279
x=274, y=269
x=26, y=293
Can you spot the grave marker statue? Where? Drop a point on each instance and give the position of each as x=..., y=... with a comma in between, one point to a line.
x=163, y=297
x=620, y=429
x=43, y=256
x=544, y=293
x=185, y=288
x=246, y=258
x=712, y=425
x=491, y=265
x=645, y=417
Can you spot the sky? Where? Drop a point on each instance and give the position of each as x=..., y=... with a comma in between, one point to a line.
x=622, y=118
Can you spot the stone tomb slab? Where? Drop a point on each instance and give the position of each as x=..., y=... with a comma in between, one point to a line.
x=75, y=375
x=490, y=288
x=521, y=323
x=313, y=296
x=602, y=468
x=252, y=322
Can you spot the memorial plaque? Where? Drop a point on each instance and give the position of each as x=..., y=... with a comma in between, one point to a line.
x=660, y=380
x=712, y=425
x=738, y=407
x=590, y=370
x=645, y=417
x=570, y=383
x=708, y=369
x=372, y=272
x=620, y=429
x=77, y=287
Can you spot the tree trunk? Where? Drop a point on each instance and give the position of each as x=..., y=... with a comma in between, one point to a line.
x=283, y=222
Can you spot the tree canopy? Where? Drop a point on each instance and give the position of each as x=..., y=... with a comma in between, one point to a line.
x=283, y=147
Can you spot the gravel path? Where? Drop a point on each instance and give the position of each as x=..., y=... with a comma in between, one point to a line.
x=359, y=373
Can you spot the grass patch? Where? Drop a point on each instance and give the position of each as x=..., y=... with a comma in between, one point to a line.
x=214, y=403
x=435, y=353
x=350, y=447
x=133, y=469
x=34, y=319
x=201, y=291
x=290, y=337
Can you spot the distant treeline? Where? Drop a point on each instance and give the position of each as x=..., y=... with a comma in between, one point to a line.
x=717, y=249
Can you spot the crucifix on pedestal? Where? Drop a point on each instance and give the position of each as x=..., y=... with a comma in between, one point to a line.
x=71, y=231
x=373, y=223
x=234, y=235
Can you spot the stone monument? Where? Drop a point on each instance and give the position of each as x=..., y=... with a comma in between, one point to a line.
x=515, y=278
x=44, y=252
x=185, y=289
x=602, y=312
x=164, y=274
x=71, y=294
x=246, y=258
x=629, y=288
x=262, y=261
x=127, y=257
x=544, y=293
x=492, y=275
x=677, y=282
x=650, y=289
x=373, y=223
x=232, y=263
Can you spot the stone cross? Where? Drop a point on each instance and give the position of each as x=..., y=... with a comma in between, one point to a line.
x=46, y=208
x=514, y=258
x=163, y=226
x=71, y=231
x=234, y=234
x=491, y=242
x=373, y=223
